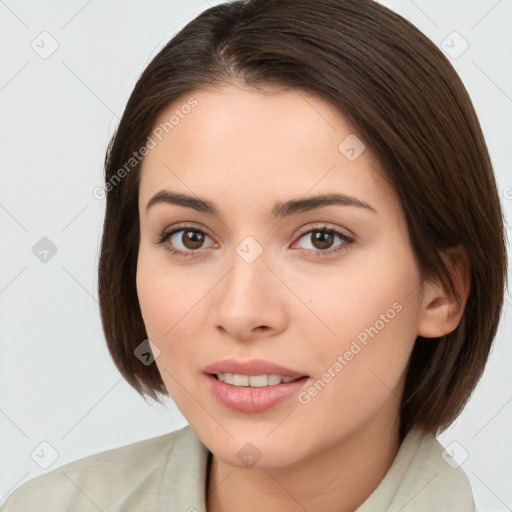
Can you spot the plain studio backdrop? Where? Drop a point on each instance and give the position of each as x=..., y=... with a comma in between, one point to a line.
x=67, y=70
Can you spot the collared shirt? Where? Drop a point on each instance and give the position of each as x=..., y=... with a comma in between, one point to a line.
x=168, y=473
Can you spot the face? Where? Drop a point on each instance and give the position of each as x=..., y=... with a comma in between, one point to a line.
x=330, y=291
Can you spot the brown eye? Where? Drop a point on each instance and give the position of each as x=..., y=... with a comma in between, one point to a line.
x=192, y=239
x=184, y=240
x=189, y=241
x=323, y=241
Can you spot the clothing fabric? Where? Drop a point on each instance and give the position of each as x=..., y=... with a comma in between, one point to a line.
x=168, y=474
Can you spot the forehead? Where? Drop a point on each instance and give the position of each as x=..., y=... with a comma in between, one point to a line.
x=255, y=144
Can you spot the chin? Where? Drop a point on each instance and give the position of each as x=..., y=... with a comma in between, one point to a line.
x=243, y=453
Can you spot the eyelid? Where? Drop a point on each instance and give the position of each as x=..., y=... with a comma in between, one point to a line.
x=169, y=232
x=345, y=235
x=184, y=226
x=326, y=226
x=305, y=229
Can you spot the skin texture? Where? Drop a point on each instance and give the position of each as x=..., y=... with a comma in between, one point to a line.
x=245, y=149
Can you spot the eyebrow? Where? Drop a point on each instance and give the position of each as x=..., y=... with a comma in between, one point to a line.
x=280, y=210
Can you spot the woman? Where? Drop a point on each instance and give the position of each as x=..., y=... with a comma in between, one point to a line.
x=303, y=246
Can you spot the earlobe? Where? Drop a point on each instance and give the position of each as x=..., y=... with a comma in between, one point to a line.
x=440, y=312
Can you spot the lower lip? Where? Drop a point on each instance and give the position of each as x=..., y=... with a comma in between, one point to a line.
x=249, y=399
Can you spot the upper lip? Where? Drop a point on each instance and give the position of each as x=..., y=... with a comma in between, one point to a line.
x=251, y=367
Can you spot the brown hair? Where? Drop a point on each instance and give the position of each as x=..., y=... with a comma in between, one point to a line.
x=409, y=105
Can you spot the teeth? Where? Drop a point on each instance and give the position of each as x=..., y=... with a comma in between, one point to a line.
x=254, y=381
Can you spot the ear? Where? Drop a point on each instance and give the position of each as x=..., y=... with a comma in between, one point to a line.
x=440, y=314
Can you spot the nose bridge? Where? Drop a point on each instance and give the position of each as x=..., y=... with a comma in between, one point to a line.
x=249, y=274
x=247, y=299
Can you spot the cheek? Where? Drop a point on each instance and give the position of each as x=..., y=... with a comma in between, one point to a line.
x=160, y=293
x=360, y=369
x=172, y=305
x=161, y=312
x=154, y=295
x=363, y=291
x=368, y=313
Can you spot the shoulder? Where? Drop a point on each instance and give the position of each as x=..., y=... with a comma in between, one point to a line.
x=434, y=477
x=99, y=480
x=423, y=477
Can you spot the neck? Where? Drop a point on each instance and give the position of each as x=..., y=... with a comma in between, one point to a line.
x=338, y=479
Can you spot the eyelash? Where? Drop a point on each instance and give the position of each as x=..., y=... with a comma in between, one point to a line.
x=324, y=229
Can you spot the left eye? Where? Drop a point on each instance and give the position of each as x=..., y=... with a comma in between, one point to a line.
x=192, y=239
x=322, y=239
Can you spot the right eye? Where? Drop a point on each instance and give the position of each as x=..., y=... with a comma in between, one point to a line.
x=190, y=238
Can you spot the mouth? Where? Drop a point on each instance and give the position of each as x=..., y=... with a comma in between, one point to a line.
x=240, y=371
x=255, y=381
x=253, y=386
x=253, y=393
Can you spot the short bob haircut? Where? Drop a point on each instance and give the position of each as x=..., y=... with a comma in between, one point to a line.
x=409, y=106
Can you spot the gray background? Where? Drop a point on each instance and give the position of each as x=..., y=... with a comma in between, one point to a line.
x=61, y=95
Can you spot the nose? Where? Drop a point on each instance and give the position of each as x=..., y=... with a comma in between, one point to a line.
x=250, y=301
